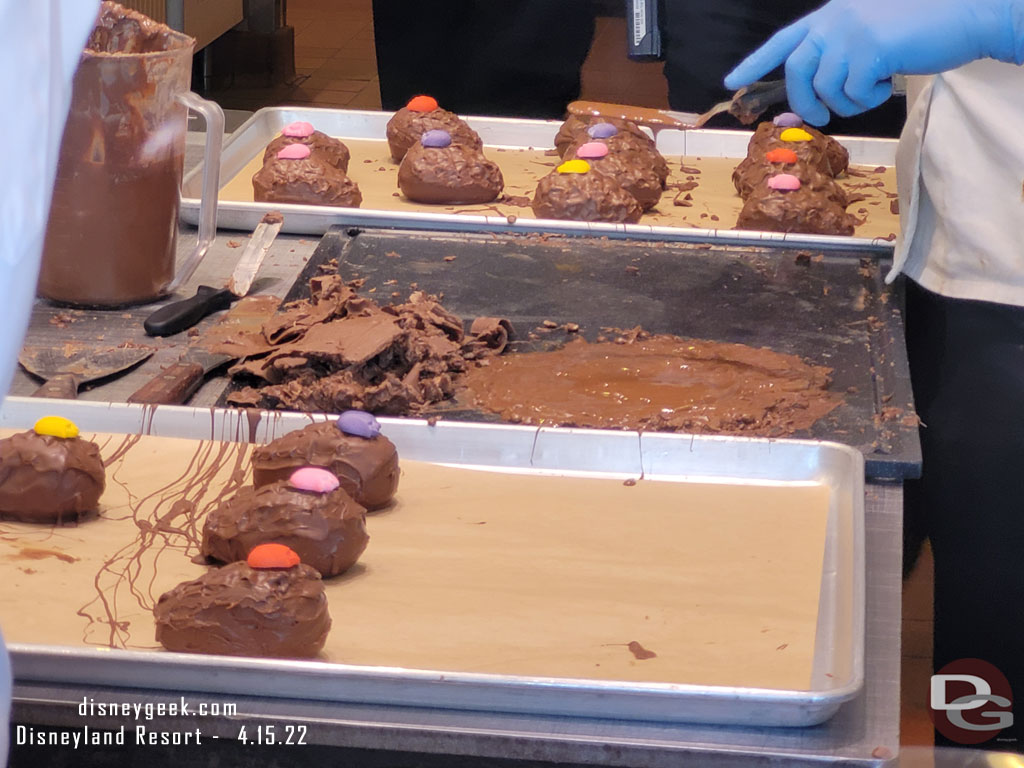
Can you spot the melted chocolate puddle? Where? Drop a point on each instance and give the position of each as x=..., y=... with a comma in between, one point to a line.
x=658, y=382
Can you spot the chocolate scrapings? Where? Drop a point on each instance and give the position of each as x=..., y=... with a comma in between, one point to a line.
x=339, y=350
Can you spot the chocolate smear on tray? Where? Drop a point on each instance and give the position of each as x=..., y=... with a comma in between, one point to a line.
x=662, y=382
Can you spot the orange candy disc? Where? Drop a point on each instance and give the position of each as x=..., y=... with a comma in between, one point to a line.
x=781, y=156
x=422, y=104
x=272, y=556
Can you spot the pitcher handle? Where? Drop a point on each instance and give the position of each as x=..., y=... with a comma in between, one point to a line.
x=213, y=115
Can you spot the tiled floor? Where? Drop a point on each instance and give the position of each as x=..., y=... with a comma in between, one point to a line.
x=915, y=727
x=336, y=67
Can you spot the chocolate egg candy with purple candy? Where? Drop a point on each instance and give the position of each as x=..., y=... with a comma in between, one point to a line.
x=602, y=131
x=788, y=120
x=436, y=138
x=359, y=423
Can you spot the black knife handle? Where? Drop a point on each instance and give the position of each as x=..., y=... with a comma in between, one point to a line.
x=173, y=386
x=178, y=315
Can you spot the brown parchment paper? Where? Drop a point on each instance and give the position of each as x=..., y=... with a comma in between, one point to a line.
x=469, y=570
x=714, y=203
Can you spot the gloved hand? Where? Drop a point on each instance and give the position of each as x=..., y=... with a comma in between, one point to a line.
x=843, y=55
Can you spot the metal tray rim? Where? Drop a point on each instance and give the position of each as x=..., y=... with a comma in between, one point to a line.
x=313, y=219
x=717, y=704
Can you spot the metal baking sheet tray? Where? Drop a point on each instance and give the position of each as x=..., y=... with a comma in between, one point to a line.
x=499, y=134
x=838, y=657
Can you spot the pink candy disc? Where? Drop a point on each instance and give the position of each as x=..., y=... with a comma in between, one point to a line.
x=298, y=130
x=314, y=479
x=294, y=152
x=592, y=149
x=784, y=182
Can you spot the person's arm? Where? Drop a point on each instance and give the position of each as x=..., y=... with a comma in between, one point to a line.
x=40, y=44
x=842, y=57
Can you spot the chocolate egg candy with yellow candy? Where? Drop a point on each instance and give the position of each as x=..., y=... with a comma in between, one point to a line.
x=49, y=474
x=56, y=426
x=795, y=134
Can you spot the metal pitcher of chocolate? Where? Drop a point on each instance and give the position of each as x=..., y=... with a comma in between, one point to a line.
x=112, y=234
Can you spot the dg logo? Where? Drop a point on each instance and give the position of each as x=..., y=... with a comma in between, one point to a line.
x=970, y=701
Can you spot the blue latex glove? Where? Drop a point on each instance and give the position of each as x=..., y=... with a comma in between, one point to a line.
x=842, y=56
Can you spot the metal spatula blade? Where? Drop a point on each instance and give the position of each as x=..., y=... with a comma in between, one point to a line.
x=749, y=103
x=65, y=370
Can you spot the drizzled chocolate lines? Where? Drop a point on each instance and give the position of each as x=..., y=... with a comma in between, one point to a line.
x=169, y=518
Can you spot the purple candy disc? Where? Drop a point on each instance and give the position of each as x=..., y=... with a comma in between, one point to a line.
x=436, y=138
x=788, y=120
x=359, y=423
x=602, y=131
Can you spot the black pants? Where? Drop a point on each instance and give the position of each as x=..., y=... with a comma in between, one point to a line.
x=703, y=41
x=967, y=367
x=481, y=57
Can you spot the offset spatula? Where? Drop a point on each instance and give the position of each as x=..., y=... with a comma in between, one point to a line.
x=179, y=315
x=746, y=105
x=65, y=370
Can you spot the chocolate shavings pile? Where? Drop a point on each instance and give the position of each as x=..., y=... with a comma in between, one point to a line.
x=340, y=350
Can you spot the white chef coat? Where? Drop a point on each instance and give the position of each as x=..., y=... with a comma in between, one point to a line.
x=40, y=44
x=960, y=165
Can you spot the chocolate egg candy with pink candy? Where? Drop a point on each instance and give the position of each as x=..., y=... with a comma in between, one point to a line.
x=784, y=182
x=298, y=130
x=314, y=480
x=592, y=150
x=295, y=151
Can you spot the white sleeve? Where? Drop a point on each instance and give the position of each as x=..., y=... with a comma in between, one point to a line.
x=40, y=44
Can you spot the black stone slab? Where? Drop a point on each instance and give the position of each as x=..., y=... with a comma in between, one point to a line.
x=830, y=308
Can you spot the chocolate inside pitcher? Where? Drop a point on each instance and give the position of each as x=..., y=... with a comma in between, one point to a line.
x=113, y=225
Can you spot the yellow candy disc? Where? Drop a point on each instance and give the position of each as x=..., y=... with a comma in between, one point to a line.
x=56, y=426
x=574, y=166
x=795, y=134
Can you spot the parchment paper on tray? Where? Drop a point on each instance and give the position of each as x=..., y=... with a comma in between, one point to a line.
x=700, y=193
x=470, y=570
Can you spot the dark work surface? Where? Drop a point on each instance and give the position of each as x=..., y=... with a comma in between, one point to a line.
x=830, y=308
